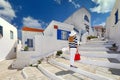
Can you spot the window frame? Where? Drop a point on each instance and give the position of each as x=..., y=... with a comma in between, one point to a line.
x=1, y=31
x=30, y=43
x=11, y=34
x=86, y=18
x=62, y=34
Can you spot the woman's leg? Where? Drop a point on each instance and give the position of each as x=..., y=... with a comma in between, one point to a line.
x=72, y=55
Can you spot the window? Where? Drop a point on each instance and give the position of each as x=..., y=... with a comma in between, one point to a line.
x=87, y=27
x=1, y=31
x=86, y=18
x=76, y=30
x=11, y=34
x=15, y=49
x=30, y=42
x=116, y=17
x=62, y=34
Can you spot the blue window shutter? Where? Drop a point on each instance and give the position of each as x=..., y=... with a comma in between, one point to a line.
x=26, y=42
x=58, y=34
x=62, y=34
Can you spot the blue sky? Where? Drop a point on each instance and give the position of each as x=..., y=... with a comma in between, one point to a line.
x=39, y=13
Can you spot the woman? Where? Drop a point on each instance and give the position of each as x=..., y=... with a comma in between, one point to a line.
x=73, y=47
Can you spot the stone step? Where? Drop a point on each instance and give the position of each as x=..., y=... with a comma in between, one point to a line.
x=97, y=69
x=94, y=45
x=49, y=74
x=7, y=73
x=97, y=55
x=106, y=72
x=17, y=76
x=93, y=49
x=12, y=76
x=98, y=63
x=58, y=73
x=81, y=66
x=32, y=73
x=80, y=71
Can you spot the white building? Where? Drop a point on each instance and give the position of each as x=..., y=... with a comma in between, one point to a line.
x=99, y=31
x=8, y=40
x=28, y=37
x=81, y=20
x=54, y=38
x=113, y=24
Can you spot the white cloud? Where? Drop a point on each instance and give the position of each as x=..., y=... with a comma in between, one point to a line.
x=104, y=6
x=102, y=24
x=31, y=22
x=97, y=21
x=6, y=10
x=73, y=2
x=76, y=5
x=58, y=1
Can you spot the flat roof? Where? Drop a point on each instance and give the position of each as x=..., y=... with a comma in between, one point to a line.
x=25, y=28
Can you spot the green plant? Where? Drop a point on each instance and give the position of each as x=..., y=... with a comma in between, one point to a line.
x=88, y=38
x=39, y=61
x=26, y=48
x=91, y=37
x=30, y=65
x=59, y=53
x=114, y=45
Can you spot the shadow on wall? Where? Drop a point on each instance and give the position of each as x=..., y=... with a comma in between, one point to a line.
x=12, y=52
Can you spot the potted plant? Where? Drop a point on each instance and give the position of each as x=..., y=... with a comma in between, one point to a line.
x=59, y=53
x=39, y=61
x=88, y=38
x=26, y=48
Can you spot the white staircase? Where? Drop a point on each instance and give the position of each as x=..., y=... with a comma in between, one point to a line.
x=32, y=73
x=92, y=66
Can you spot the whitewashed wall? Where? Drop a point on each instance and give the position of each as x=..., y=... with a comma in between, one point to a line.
x=19, y=45
x=44, y=45
x=7, y=45
x=77, y=19
x=84, y=37
x=98, y=33
x=23, y=59
x=107, y=25
x=49, y=41
x=29, y=35
x=112, y=29
x=48, y=44
x=50, y=31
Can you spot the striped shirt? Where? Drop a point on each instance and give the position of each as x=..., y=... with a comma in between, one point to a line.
x=73, y=44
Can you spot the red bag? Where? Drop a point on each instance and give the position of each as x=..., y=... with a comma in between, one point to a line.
x=77, y=56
